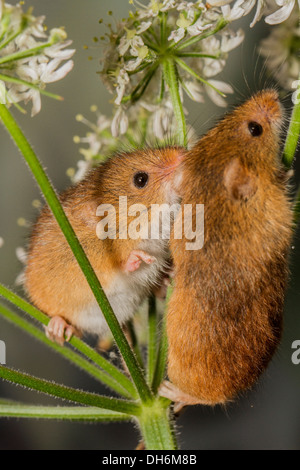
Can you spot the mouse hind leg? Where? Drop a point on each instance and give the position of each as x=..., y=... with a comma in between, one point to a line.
x=180, y=398
x=59, y=331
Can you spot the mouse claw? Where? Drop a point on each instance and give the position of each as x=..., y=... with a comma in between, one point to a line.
x=59, y=331
x=135, y=260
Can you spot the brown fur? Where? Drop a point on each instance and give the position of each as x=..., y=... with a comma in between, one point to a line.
x=224, y=318
x=53, y=278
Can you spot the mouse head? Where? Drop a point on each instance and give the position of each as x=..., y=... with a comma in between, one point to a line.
x=146, y=176
x=253, y=129
x=243, y=148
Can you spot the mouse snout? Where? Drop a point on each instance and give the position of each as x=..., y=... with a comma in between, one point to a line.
x=172, y=161
x=268, y=107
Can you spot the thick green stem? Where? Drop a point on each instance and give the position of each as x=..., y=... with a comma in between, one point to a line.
x=68, y=353
x=293, y=131
x=65, y=413
x=54, y=204
x=86, y=350
x=157, y=428
x=172, y=80
x=68, y=393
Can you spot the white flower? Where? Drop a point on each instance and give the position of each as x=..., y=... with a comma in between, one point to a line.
x=239, y=9
x=214, y=95
x=194, y=90
x=35, y=65
x=119, y=123
x=281, y=50
x=231, y=39
x=122, y=81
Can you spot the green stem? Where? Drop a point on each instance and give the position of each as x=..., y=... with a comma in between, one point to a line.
x=163, y=28
x=162, y=355
x=68, y=353
x=293, y=131
x=66, y=413
x=171, y=78
x=54, y=204
x=156, y=427
x=86, y=350
x=188, y=69
x=135, y=344
x=141, y=87
x=152, y=339
x=68, y=393
x=7, y=78
x=182, y=45
x=23, y=26
x=24, y=54
x=197, y=54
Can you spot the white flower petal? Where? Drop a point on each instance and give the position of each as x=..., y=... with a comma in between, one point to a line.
x=282, y=14
x=177, y=35
x=119, y=125
x=214, y=96
x=52, y=73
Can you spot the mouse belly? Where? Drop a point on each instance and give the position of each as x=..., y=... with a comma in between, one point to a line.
x=125, y=294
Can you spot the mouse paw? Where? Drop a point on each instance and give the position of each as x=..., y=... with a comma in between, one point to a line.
x=180, y=398
x=135, y=260
x=59, y=331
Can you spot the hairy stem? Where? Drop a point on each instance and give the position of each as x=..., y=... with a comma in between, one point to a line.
x=68, y=393
x=65, y=413
x=293, y=131
x=68, y=353
x=86, y=350
x=171, y=78
x=157, y=428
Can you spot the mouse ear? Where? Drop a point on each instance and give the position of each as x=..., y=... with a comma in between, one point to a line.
x=85, y=212
x=240, y=183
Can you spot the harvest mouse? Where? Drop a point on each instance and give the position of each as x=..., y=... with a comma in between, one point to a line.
x=224, y=318
x=127, y=268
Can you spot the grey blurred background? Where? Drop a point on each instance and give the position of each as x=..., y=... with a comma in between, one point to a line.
x=266, y=418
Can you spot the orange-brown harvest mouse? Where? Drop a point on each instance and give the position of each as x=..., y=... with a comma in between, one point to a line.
x=127, y=268
x=224, y=317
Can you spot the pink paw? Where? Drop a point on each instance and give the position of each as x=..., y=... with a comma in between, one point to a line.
x=59, y=331
x=135, y=260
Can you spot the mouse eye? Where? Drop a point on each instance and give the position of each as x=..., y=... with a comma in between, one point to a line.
x=140, y=179
x=255, y=129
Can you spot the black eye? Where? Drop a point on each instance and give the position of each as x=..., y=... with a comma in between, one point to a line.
x=140, y=179
x=255, y=129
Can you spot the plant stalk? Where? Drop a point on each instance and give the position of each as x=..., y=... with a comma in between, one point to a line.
x=293, y=131
x=172, y=80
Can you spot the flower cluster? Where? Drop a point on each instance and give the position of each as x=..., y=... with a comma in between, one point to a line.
x=29, y=57
x=282, y=51
x=145, y=125
x=190, y=39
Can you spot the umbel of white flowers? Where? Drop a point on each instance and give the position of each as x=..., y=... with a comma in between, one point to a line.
x=29, y=57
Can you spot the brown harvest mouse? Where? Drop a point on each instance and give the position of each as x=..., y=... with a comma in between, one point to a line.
x=224, y=317
x=127, y=267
